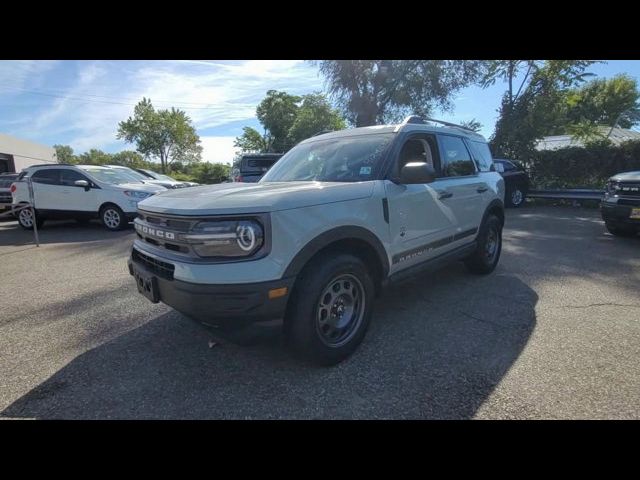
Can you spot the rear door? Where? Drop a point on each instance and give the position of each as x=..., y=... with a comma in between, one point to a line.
x=460, y=187
x=47, y=189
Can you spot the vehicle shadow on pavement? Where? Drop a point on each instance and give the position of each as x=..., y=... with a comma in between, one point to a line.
x=58, y=231
x=436, y=348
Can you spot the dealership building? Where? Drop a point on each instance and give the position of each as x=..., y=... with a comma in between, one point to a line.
x=16, y=154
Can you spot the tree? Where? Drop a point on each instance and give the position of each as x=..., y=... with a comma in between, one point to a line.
x=208, y=173
x=277, y=112
x=536, y=107
x=380, y=91
x=605, y=102
x=129, y=158
x=315, y=115
x=95, y=157
x=64, y=154
x=252, y=141
x=287, y=120
x=164, y=134
x=473, y=125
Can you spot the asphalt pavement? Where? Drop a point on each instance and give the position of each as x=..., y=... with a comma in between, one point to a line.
x=554, y=332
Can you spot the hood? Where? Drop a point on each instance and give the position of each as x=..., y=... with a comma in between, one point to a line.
x=141, y=187
x=626, y=177
x=231, y=198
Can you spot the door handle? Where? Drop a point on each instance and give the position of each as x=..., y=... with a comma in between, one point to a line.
x=482, y=189
x=444, y=194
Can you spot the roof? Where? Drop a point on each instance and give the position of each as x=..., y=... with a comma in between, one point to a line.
x=555, y=142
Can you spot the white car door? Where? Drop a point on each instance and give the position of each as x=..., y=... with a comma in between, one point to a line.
x=420, y=222
x=47, y=190
x=75, y=198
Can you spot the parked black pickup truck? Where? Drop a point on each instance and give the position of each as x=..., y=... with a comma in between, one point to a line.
x=254, y=166
x=620, y=206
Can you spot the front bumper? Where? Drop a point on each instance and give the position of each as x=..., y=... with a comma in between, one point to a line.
x=617, y=214
x=220, y=305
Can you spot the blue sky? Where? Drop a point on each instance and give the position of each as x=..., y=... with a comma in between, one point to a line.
x=80, y=103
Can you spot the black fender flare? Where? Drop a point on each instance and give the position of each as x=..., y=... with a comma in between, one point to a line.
x=492, y=205
x=336, y=234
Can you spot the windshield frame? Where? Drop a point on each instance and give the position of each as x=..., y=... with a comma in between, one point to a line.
x=378, y=169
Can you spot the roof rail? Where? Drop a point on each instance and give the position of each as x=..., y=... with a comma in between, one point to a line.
x=422, y=120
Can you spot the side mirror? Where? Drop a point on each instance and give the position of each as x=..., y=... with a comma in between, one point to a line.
x=417, y=172
x=82, y=183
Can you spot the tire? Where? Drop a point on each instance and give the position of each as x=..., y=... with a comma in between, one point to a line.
x=515, y=197
x=620, y=231
x=330, y=309
x=112, y=217
x=25, y=219
x=487, y=254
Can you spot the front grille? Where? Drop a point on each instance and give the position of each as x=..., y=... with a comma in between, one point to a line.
x=160, y=268
x=5, y=197
x=626, y=189
x=170, y=223
x=629, y=201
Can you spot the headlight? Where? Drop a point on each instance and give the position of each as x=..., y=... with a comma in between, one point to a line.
x=612, y=187
x=135, y=194
x=227, y=238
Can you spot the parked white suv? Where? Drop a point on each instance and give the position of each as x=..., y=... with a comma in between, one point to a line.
x=81, y=192
x=336, y=219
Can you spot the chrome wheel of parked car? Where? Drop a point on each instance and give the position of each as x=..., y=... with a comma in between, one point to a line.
x=112, y=217
x=25, y=217
x=517, y=197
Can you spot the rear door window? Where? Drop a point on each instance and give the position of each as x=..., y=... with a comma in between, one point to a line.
x=455, y=158
x=481, y=154
x=48, y=176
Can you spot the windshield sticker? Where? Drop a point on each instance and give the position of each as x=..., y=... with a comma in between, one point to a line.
x=365, y=170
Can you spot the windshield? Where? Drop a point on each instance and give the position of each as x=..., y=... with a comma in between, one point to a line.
x=111, y=176
x=133, y=174
x=342, y=159
x=167, y=178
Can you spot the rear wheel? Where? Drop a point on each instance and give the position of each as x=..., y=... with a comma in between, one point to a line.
x=113, y=217
x=330, y=309
x=26, y=220
x=619, y=231
x=515, y=197
x=487, y=254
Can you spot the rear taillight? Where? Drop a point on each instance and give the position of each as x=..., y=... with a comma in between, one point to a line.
x=239, y=178
x=13, y=188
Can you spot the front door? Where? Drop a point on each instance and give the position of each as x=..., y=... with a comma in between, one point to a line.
x=75, y=198
x=420, y=222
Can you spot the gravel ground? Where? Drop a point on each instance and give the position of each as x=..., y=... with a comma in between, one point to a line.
x=554, y=332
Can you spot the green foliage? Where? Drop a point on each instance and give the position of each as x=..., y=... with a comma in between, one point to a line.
x=208, y=173
x=252, y=141
x=472, y=124
x=94, y=157
x=587, y=167
x=287, y=120
x=537, y=106
x=382, y=91
x=64, y=154
x=314, y=115
x=167, y=135
x=277, y=112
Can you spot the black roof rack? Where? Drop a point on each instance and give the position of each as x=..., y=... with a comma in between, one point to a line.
x=322, y=133
x=424, y=120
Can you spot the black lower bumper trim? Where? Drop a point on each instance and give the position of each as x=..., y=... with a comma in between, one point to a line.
x=618, y=214
x=221, y=305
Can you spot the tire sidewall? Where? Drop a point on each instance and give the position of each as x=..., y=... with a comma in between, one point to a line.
x=33, y=220
x=300, y=322
x=491, y=222
x=510, y=196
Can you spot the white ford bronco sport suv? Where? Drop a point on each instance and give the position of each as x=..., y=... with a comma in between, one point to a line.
x=80, y=192
x=335, y=220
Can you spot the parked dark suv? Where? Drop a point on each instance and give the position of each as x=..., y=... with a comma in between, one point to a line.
x=254, y=166
x=620, y=206
x=516, y=182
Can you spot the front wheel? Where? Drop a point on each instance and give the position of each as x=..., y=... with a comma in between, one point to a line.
x=330, y=309
x=485, y=258
x=26, y=219
x=113, y=217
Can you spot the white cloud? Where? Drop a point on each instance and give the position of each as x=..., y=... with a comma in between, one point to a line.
x=212, y=93
x=217, y=149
